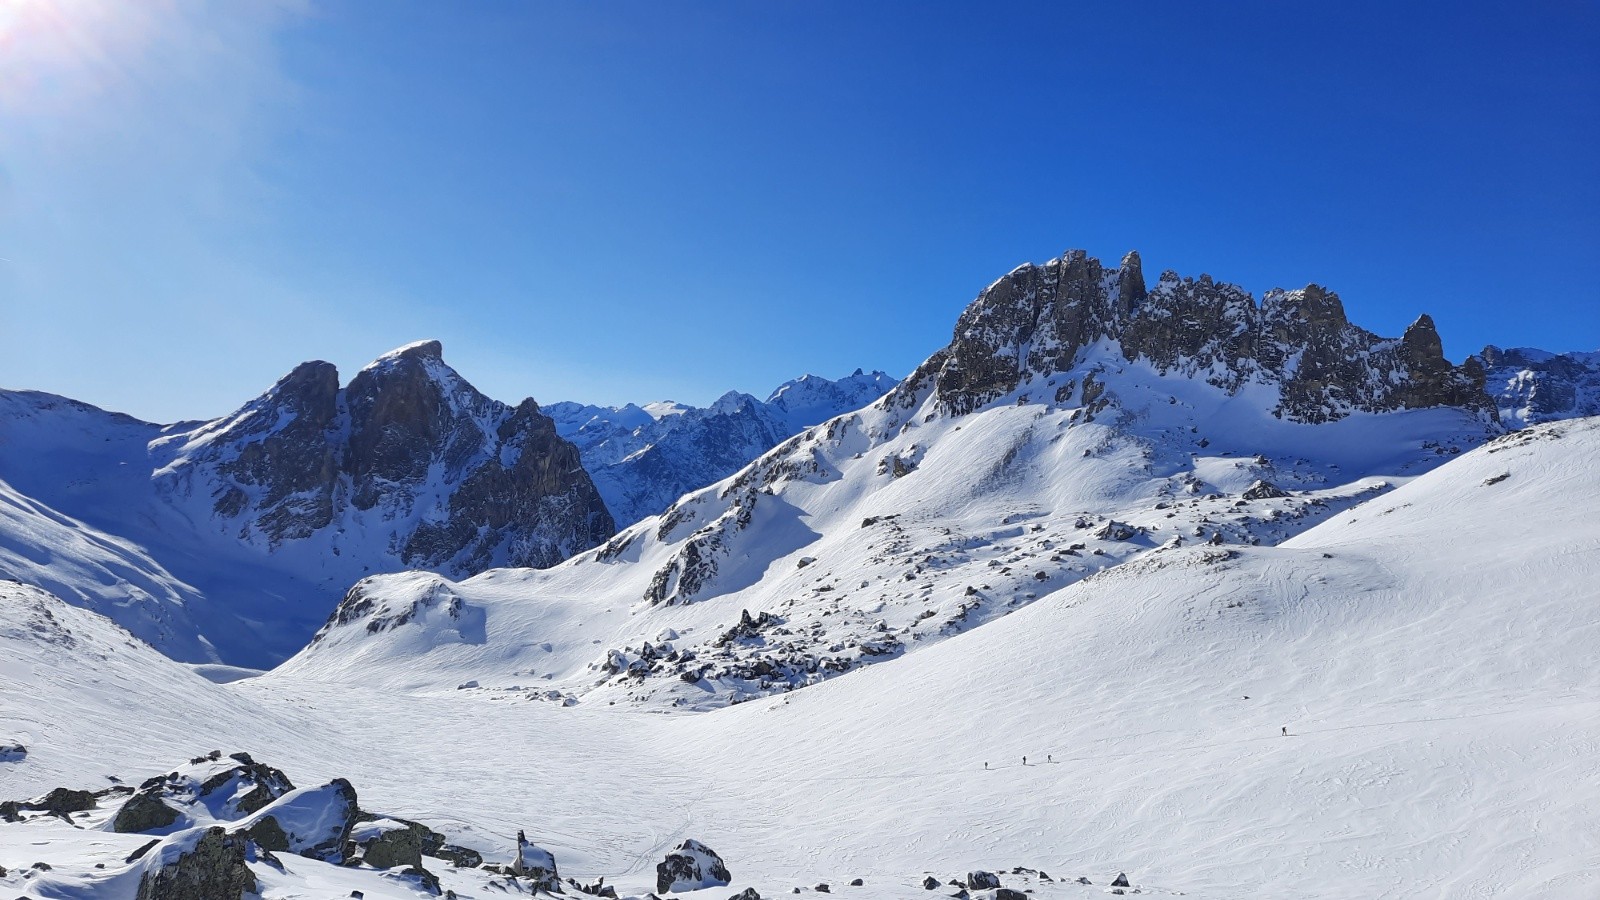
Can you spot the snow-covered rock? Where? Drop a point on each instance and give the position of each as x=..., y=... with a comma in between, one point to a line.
x=689, y=867
x=408, y=460
x=1531, y=386
x=201, y=864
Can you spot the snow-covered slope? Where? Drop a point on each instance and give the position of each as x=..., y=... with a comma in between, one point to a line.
x=643, y=458
x=1429, y=653
x=111, y=576
x=257, y=522
x=1531, y=386
x=985, y=481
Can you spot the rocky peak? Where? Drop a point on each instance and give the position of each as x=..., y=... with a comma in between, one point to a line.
x=1531, y=386
x=455, y=481
x=1130, y=283
x=1039, y=319
x=408, y=411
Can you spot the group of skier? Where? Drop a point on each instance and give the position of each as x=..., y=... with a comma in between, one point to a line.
x=1050, y=758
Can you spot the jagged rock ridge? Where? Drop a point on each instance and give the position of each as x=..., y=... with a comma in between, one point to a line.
x=1531, y=386
x=454, y=481
x=1038, y=319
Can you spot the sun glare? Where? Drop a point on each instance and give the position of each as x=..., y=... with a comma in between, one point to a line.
x=53, y=51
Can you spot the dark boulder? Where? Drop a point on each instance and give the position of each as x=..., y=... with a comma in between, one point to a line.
x=1263, y=490
x=212, y=869
x=144, y=811
x=982, y=881
x=386, y=843
x=690, y=866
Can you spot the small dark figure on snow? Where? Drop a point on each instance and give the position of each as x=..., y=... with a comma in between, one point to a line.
x=1049, y=757
x=1285, y=731
x=1024, y=760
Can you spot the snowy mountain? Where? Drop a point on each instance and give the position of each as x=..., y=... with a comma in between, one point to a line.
x=1531, y=386
x=230, y=540
x=1075, y=422
x=1431, y=667
x=643, y=458
x=1235, y=598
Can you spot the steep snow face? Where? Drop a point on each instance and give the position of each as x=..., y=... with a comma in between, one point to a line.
x=810, y=400
x=1017, y=461
x=104, y=573
x=1531, y=386
x=1432, y=668
x=643, y=458
x=270, y=513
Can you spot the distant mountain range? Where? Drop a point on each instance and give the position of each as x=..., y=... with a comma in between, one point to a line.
x=644, y=457
x=231, y=539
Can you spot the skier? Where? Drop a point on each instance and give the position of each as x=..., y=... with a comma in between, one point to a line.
x=1049, y=757
x=986, y=767
x=1024, y=760
x=1285, y=731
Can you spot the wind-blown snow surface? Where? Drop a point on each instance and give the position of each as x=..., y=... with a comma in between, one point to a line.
x=643, y=458
x=1430, y=652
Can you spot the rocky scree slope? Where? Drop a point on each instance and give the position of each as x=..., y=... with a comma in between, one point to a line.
x=1076, y=421
x=643, y=458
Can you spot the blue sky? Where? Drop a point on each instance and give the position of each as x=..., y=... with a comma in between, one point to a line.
x=633, y=201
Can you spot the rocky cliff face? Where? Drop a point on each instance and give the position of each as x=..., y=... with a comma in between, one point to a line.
x=408, y=457
x=1037, y=320
x=1531, y=386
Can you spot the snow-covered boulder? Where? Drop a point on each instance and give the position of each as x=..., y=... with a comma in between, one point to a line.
x=199, y=864
x=690, y=867
x=386, y=843
x=209, y=790
x=312, y=822
x=536, y=863
x=982, y=881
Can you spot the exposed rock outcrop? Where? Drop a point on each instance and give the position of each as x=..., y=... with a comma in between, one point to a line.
x=1038, y=320
x=536, y=864
x=982, y=881
x=209, y=788
x=691, y=866
x=445, y=478
x=1532, y=386
x=210, y=866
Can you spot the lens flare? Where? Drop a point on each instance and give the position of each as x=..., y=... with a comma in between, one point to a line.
x=54, y=52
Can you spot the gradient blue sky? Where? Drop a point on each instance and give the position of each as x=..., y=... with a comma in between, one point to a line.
x=608, y=201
